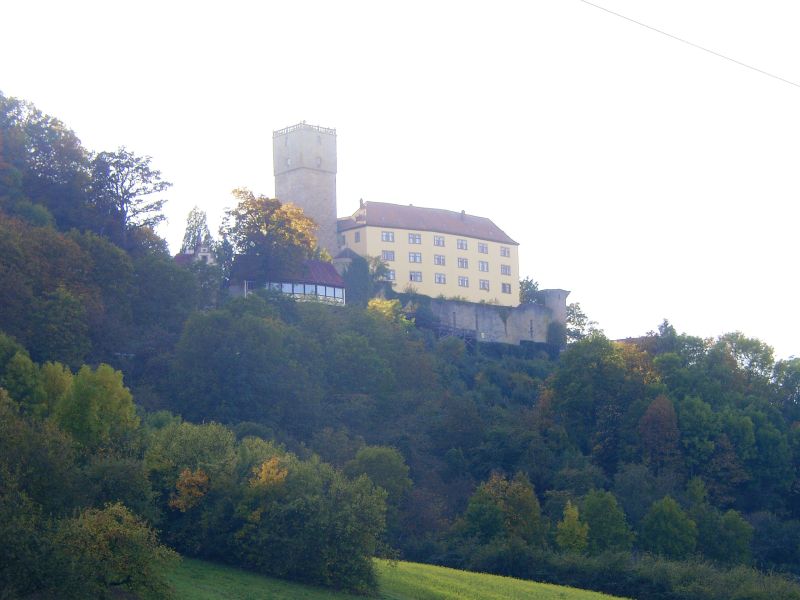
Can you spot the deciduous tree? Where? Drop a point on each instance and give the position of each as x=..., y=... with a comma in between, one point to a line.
x=571, y=534
x=98, y=411
x=668, y=531
x=529, y=291
x=659, y=435
x=280, y=235
x=197, y=233
x=606, y=521
x=125, y=189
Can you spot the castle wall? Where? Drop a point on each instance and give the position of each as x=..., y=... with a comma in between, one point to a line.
x=505, y=324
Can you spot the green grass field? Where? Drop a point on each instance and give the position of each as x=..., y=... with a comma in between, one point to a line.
x=198, y=580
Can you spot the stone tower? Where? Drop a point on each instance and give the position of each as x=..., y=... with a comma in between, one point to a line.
x=304, y=162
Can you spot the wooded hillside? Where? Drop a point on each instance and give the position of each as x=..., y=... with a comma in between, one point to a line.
x=299, y=439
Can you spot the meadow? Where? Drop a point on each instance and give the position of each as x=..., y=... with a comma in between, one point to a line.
x=199, y=580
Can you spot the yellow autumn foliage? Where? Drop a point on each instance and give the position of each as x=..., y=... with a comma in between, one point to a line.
x=190, y=488
x=270, y=473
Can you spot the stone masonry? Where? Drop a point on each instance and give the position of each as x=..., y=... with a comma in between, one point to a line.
x=304, y=161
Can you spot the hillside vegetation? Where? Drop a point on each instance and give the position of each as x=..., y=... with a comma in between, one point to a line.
x=199, y=580
x=139, y=401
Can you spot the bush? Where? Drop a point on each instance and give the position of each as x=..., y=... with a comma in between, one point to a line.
x=306, y=521
x=112, y=549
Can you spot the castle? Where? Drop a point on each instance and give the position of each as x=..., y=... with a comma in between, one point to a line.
x=465, y=263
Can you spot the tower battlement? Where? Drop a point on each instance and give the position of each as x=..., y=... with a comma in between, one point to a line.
x=304, y=125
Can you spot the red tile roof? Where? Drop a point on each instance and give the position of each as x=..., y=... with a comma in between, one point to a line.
x=183, y=259
x=312, y=271
x=318, y=271
x=416, y=218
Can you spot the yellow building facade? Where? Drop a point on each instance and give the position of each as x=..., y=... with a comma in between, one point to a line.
x=436, y=252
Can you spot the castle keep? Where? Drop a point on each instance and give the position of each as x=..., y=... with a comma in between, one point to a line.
x=304, y=162
x=465, y=263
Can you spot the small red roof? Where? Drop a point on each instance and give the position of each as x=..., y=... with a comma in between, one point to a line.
x=416, y=218
x=318, y=271
x=183, y=259
x=311, y=271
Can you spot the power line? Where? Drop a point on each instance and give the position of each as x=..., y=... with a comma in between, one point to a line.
x=675, y=37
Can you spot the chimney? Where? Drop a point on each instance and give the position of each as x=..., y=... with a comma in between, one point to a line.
x=463, y=213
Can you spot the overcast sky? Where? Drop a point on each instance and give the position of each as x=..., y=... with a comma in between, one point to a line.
x=650, y=178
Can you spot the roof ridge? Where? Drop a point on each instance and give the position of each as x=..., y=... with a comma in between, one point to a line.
x=440, y=220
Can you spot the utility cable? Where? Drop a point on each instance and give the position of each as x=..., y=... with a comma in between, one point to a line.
x=675, y=37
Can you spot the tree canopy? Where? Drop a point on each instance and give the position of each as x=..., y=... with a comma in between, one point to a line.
x=280, y=235
x=123, y=190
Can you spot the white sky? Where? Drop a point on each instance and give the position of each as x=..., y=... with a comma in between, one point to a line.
x=652, y=179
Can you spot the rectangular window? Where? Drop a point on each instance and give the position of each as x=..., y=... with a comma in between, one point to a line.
x=414, y=238
x=463, y=263
x=390, y=275
x=463, y=281
x=286, y=288
x=505, y=251
x=310, y=289
x=438, y=240
x=298, y=288
x=483, y=266
x=415, y=257
x=440, y=278
x=505, y=269
x=506, y=288
x=387, y=255
x=438, y=259
x=415, y=276
x=461, y=244
x=483, y=248
x=484, y=284
x=387, y=236
x=357, y=236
